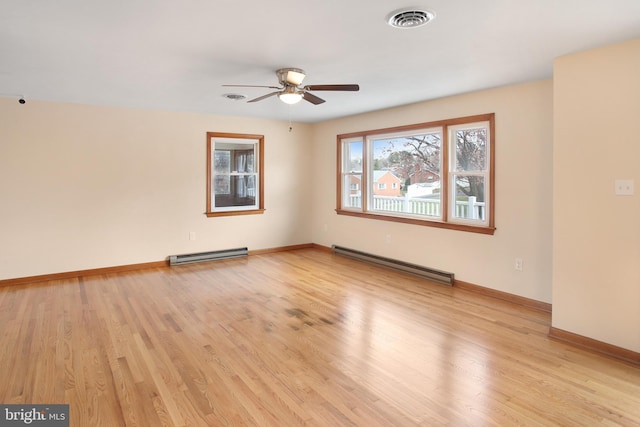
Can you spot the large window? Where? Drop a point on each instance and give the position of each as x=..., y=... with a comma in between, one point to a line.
x=234, y=174
x=437, y=174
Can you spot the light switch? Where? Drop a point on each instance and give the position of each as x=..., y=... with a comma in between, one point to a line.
x=624, y=187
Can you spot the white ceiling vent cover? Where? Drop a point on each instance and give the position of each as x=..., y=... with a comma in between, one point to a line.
x=410, y=18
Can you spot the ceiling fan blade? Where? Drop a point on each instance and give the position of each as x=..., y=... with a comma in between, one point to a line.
x=312, y=98
x=268, y=87
x=350, y=88
x=260, y=98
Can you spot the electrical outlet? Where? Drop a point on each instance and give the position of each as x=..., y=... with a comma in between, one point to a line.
x=518, y=264
x=624, y=187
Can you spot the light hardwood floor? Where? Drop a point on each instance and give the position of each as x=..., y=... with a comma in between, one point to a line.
x=297, y=338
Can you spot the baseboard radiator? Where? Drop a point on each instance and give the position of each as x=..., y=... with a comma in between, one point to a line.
x=207, y=256
x=418, y=270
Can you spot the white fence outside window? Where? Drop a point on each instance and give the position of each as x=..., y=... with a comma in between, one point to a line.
x=469, y=209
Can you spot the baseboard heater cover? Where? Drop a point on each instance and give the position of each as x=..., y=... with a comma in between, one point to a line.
x=207, y=256
x=418, y=270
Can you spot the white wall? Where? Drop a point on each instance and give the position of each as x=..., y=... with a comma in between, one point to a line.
x=523, y=193
x=85, y=187
x=596, y=244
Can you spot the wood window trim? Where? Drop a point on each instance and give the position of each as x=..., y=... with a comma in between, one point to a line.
x=260, y=163
x=489, y=229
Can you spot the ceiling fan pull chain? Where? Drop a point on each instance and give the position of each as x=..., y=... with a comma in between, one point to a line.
x=290, y=125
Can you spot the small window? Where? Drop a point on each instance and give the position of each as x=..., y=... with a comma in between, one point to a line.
x=234, y=174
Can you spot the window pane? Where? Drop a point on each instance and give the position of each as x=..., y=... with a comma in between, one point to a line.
x=353, y=157
x=469, y=196
x=406, y=174
x=352, y=161
x=352, y=191
x=236, y=190
x=471, y=149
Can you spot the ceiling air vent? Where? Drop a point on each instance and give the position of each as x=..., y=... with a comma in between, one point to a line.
x=410, y=18
x=234, y=96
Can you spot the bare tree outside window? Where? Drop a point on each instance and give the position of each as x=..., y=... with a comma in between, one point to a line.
x=471, y=156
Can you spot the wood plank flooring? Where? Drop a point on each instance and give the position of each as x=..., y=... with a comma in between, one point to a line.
x=297, y=338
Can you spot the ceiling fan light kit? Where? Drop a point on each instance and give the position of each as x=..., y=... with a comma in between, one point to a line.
x=291, y=90
x=290, y=95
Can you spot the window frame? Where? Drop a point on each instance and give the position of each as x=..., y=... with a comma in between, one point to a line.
x=446, y=221
x=258, y=142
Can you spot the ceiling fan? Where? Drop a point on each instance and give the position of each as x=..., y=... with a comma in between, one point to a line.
x=291, y=90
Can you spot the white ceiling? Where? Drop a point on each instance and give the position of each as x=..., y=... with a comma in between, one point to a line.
x=175, y=55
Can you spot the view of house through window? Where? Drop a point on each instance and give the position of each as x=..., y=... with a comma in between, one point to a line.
x=234, y=174
x=436, y=174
